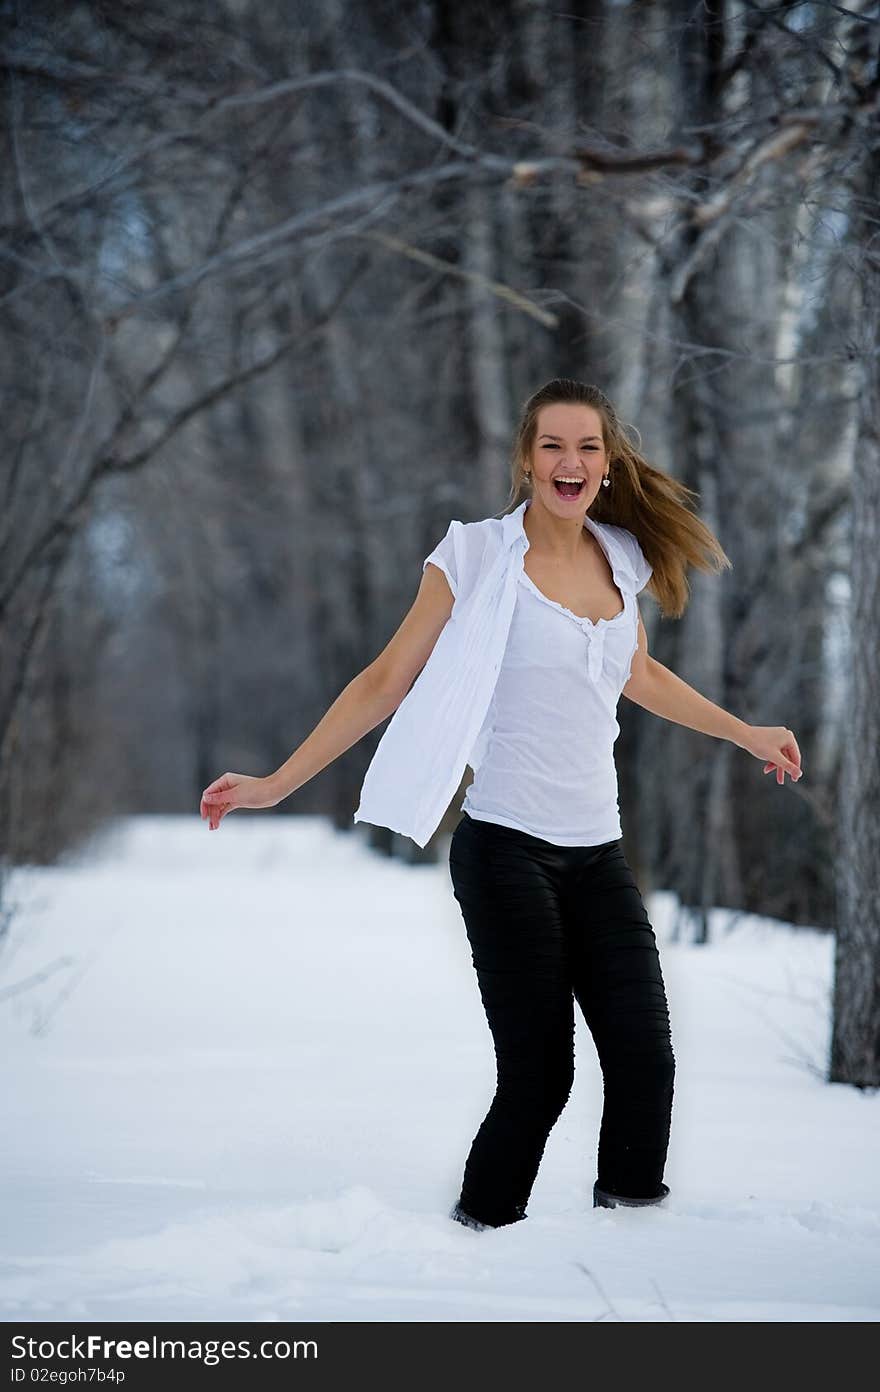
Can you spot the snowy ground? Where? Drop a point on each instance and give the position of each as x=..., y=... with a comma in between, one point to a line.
x=245, y=1075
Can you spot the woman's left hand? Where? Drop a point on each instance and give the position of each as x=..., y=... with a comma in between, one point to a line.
x=778, y=746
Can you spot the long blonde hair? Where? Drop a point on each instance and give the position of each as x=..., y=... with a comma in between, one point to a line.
x=646, y=501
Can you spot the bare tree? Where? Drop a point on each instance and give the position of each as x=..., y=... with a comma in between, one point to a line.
x=855, y=1043
x=272, y=293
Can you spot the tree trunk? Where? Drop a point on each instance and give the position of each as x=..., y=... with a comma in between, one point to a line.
x=855, y=1042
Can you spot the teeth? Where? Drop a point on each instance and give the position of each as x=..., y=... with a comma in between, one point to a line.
x=562, y=478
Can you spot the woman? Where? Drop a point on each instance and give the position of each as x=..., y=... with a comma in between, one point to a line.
x=523, y=687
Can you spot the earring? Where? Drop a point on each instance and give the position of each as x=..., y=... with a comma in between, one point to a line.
x=606, y=481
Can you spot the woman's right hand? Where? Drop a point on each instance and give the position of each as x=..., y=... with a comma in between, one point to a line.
x=233, y=790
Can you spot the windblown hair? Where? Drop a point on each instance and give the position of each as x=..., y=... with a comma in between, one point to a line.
x=645, y=500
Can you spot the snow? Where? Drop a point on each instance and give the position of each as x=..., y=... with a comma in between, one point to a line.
x=242, y=1070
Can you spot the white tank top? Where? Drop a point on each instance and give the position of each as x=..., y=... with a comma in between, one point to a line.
x=548, y=767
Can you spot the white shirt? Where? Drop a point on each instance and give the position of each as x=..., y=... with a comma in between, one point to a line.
x=445, y=723
x=551, y=725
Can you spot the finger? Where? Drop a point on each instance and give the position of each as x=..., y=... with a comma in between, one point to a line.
x=794, y=769
x=221, y=784
x=790, y=748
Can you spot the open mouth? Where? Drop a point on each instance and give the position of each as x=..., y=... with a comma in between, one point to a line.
x=569, y=490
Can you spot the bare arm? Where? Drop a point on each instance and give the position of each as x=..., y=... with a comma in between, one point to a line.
x=663, y=693
x=376, y=692
x=358, y=708
x=367, y=700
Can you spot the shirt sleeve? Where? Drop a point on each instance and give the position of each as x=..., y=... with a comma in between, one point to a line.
x=443, y=556
x=643, y=571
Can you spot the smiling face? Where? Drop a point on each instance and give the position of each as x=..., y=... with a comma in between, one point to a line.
x=568, y=444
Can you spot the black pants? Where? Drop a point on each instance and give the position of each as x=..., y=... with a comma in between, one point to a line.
x=547, y=925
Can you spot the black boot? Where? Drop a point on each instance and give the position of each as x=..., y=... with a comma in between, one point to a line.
x=602, y=1199
x=460, y=1216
